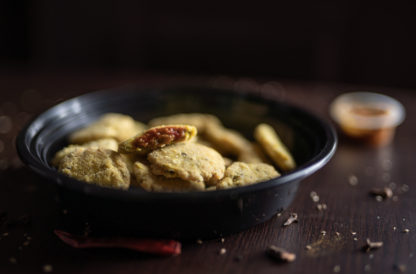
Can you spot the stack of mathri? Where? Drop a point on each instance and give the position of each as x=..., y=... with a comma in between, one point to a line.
x=182, y=152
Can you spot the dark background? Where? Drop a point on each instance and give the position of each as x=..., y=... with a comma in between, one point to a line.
x=103, y=44
x=339, y=41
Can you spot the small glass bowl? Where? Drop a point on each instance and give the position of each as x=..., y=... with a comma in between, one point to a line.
x=368, y=117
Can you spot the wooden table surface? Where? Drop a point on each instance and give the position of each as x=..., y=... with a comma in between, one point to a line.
x=352, y=215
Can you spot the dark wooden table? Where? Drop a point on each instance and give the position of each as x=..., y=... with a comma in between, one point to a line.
x=352, y=215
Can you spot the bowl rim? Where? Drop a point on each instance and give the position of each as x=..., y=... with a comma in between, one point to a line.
x=309, y=167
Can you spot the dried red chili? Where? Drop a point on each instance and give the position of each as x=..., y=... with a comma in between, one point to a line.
x=152, y=246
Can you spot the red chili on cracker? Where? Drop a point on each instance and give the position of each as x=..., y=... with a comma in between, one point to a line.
x=157, y=137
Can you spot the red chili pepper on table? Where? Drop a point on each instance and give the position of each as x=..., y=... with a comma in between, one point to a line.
x=152, y=246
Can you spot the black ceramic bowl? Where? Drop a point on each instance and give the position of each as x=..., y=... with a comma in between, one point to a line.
x=181, y=215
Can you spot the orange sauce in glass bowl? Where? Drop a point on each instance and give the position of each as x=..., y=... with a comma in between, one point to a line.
x=368, y=117
x=368, y=111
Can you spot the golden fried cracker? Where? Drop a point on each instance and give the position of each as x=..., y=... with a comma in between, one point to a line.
x=189, y=161
x=273, y=146
x=111, y=125
x=101, y=143
x=151, y=182
x=241, y=174
x=96, y=166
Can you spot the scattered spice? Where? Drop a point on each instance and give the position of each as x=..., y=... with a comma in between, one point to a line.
x=372, y=245
x=384, y=193
x=199, y=241
x=337, y=268
x=223, y=251
x=293, y=218
x=314, y=196
x=353, y=180
x=280, y=254
x=406, y=230
x=152, y=246
x=47, y=268
x=321, y=207
x=325, y=245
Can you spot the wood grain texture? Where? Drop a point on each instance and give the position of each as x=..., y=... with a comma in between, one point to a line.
x=349, y=208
